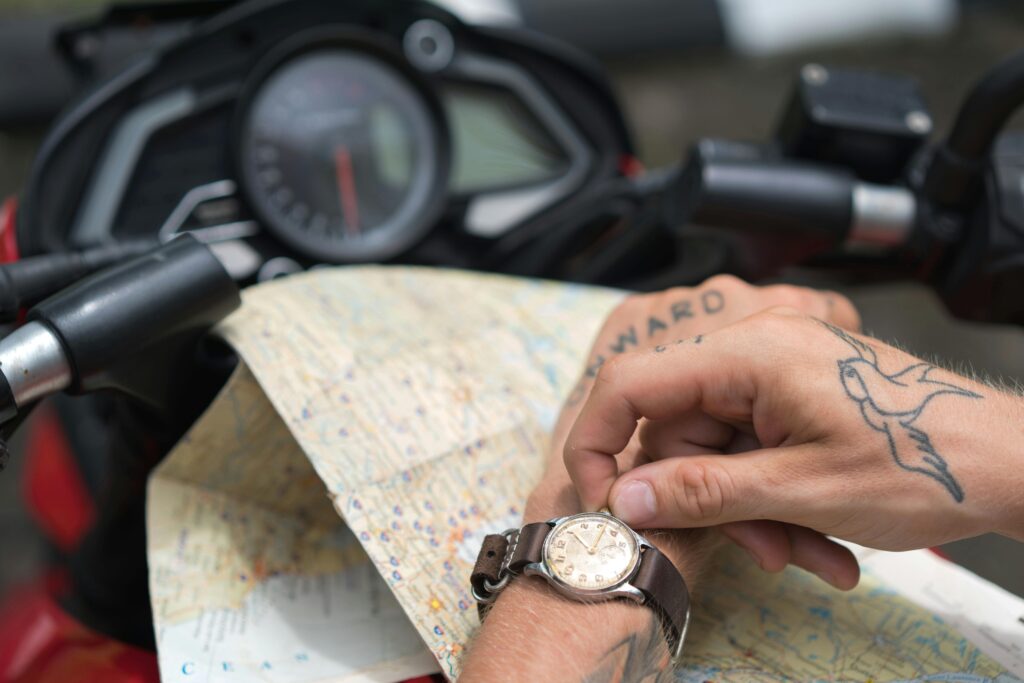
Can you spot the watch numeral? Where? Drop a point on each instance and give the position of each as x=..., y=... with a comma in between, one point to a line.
x=613, y=532
x=569, y=569
x=598, y=578
x=582, y=578
x=560, y=544
x=560, y=558
x=584, y=525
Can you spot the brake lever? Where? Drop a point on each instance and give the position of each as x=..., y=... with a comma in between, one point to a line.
x=126, y=328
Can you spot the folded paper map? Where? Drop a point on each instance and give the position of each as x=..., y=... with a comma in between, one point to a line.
x=320, y=521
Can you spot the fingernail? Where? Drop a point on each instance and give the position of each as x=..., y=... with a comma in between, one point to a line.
x=634, y=503
x=826, y=577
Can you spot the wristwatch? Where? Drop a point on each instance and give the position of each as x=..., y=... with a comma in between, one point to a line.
x=587, y=557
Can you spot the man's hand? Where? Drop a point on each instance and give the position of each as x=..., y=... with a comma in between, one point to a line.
x=656, y=322
x=532, y=633
x=666, y=320
x=789, y=418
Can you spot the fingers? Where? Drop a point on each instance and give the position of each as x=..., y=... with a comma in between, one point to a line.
x=824, y=305
x=765, y=541
x=694, y=433
x=827, y=559
x=773, y=545
x=716, y=378
x=746, y=299
x=841, y=311
x=703, y=491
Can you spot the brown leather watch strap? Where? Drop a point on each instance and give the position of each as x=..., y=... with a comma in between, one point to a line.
x=503, y=556
x=500, y=555
x=527, y=545
x=488, y=563
x=664, y=590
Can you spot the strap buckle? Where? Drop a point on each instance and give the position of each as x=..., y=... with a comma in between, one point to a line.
x=504, y=573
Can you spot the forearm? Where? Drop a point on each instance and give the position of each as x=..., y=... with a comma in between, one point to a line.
x=533, y=634
x=981, y=440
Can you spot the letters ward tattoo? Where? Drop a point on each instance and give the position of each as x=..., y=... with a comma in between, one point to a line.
x=709, y=303
x=891, y=403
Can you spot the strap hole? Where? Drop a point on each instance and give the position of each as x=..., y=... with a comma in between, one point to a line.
x=490, y=553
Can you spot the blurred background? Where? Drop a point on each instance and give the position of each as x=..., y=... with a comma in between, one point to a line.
x=682, y=69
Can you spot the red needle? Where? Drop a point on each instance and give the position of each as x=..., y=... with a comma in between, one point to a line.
x=347, y=189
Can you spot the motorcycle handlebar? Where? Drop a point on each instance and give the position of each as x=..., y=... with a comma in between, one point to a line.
x=734, y=188
x=111, y=320
x=953, y=178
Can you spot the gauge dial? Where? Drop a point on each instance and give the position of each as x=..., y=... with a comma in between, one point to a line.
x=343, y=152
x=591, y=551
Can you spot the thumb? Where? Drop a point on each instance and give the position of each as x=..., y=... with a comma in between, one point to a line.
x=695, y=491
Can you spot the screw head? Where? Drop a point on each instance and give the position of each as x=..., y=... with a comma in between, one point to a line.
x=918, y=122
x=86, y=46
x=814, y=74
x=429, y=45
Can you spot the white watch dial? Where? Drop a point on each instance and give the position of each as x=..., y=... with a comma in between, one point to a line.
x=591, y=551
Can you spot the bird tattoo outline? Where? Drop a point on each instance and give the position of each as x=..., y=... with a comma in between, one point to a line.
x=907, y=393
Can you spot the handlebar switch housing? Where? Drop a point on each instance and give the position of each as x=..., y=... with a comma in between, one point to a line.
x=872, y=123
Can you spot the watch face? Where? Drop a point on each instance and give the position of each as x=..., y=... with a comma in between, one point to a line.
x=591, y=551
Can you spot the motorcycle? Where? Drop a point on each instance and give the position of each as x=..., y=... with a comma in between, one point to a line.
x=273, y=136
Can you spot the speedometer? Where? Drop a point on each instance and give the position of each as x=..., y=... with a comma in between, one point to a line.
x=343, y=152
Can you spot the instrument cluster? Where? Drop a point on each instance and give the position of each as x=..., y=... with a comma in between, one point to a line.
x=294, y=132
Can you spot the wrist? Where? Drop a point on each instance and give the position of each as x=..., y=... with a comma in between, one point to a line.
x=691, y=551
x=987, y=441
x=534, y=633
x=1008, y=481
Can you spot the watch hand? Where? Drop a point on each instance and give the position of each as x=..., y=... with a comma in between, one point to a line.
x=573, y=534
x=593, y=549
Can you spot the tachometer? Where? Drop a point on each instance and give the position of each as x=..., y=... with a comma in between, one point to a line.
x=343, y=152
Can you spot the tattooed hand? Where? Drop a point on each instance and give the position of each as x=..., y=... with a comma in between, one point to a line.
x=657, y=322
x=788, y=418
x=532, y=633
